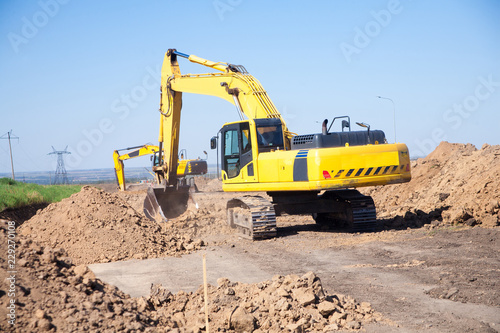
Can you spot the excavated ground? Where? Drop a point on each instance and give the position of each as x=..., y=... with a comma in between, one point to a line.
x=433, y=265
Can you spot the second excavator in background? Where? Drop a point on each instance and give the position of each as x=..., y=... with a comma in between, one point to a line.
x=314, y=174
x=185, y=168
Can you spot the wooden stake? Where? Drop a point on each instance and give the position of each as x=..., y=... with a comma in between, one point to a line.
x=205, y=287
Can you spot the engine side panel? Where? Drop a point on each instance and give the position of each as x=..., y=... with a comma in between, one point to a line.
x=329, y=168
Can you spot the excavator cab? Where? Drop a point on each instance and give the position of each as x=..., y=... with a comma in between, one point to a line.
x=241, y=140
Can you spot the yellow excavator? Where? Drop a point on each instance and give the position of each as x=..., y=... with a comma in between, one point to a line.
x=312, y=174
x=186, y=167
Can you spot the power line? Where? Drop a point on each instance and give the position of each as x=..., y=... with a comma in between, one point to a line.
x=10, y=136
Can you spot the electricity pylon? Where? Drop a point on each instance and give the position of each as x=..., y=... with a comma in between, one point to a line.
x=61, y=175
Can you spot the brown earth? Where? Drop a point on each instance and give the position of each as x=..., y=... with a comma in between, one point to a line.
x=96, y=226
x=52, y=294
x=455, y=184
x=440, y=230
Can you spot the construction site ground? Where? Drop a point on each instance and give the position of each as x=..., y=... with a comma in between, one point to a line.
x=94, y=262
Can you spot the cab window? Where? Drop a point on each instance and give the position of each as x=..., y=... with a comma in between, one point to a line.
x=246, y=142
x=270, y=137
x=231, y=153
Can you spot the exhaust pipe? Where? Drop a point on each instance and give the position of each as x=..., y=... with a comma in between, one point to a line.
x=324, y=128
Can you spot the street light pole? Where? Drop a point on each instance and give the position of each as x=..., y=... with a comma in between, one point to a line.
x=394, y=114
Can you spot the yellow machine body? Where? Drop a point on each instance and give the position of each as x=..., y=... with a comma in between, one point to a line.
x=182, y=168
x=259, y=153
x=191, y=167
x=326, y=168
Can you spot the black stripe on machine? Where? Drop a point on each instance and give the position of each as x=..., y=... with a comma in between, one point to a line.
x=300, y=166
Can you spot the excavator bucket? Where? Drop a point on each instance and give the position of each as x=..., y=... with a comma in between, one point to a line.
x=163, y=203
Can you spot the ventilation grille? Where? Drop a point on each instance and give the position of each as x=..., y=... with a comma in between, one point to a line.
x=302, y=139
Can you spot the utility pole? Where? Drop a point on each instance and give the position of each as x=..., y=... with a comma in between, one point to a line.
x=10, y=136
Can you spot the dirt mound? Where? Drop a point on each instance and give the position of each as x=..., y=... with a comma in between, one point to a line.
x=51, y=294
x=95, y=226
x=285, y=303
x=208, y=185
x=456, y=183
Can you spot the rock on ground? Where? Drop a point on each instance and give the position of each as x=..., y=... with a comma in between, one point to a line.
x=284, y=303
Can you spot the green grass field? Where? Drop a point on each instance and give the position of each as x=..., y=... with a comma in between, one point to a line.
x=15, y=194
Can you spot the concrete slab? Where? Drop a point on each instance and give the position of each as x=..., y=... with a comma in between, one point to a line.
x=135, y=277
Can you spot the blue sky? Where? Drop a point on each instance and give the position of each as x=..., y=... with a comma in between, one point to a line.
x=85, y=74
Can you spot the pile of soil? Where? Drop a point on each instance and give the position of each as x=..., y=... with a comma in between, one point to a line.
x=96, y=226
x=55, y=291
x=210, y=219
x=285, y=303
x=208, y=185
x=455, y=184
x=52, y=294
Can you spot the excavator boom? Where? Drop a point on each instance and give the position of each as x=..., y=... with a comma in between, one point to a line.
x=233, y=84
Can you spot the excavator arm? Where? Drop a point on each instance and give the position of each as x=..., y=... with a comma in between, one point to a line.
x=118, y=160
x=232, y=83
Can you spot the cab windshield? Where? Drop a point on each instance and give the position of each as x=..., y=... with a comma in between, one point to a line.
x=270, y=137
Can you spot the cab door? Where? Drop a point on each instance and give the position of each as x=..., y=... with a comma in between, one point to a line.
x=236, y=157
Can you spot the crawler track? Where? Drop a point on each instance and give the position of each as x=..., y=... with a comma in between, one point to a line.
x=351, y=210
x=252, y=216
x=364, y=215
